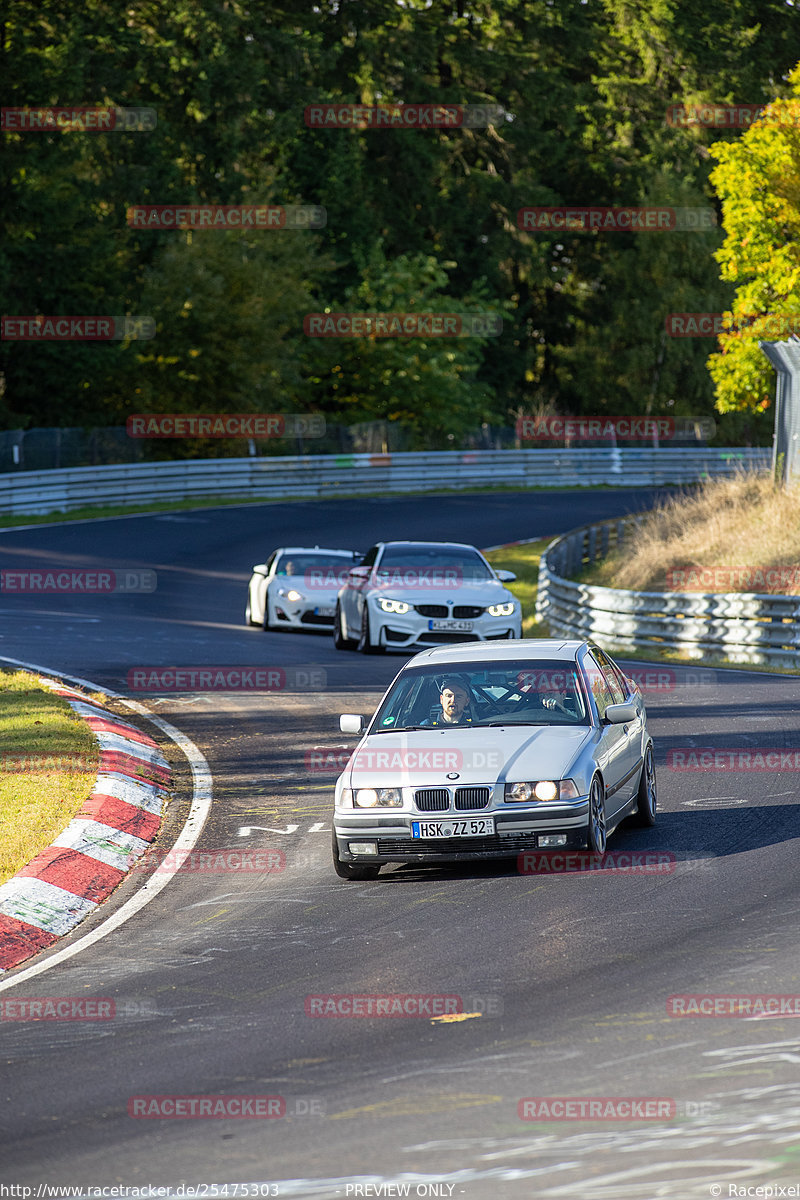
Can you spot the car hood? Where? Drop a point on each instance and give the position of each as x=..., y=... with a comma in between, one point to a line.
x=478, y=754
x=489, y=591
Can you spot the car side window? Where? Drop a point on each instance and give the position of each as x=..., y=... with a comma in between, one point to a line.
x=598, y=685
x=618, y=689
x=271, y=561
x=369, y=558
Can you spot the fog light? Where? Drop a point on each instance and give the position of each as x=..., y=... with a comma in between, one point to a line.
x=363, y=847
x=546, y=840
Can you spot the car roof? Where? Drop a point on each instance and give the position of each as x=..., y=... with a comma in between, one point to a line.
x=438, y=545
x=313, y=550
x=560, y=649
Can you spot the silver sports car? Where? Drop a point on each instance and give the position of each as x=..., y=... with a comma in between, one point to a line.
x=490, y=750
x=296, y=587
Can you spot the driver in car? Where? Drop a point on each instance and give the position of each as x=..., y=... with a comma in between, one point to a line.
x=454, y=702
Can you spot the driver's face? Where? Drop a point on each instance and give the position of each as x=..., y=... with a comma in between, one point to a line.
x=454, y=701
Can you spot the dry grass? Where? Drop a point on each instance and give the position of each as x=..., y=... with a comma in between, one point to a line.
x=38, y=798
x=524, y=562
x=743, y=522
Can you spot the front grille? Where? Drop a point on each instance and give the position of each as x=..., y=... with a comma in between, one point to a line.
x=467, y=611
x=310, y=618
x=432, y=799
x=471, y=798
x=444, y=846
x=447, y=638
x=432, y=610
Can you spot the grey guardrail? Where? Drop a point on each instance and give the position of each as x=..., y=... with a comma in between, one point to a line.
x=756, y=628
x=324, y=475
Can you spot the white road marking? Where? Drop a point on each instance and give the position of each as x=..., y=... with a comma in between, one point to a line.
x=246, y=830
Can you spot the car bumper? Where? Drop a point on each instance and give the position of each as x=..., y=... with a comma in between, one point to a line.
x=407, y=632
x=515, y=832
x=302, y=616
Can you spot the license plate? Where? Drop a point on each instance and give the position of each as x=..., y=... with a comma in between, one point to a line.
x=324, y=612
x=471, y=827
x=456, y=626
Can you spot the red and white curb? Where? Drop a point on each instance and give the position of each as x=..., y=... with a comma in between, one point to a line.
x=66, y=882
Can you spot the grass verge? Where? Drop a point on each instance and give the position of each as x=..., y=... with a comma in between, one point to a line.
x=524, y=562
x=48, y=766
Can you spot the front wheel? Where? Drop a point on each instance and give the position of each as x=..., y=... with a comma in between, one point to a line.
x=339, y=640
x=647, y=796
x=355, y=872
x=596, y=831
x=248, y=613
x=365, y=645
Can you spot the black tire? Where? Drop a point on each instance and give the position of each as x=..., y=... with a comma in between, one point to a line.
x=354, y=873
x=339, y=640
x=596, y=837
x=365, y=645
x=267, y=625
x=647, y=795
x=248, y=615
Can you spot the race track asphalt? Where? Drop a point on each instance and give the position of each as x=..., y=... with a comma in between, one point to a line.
x=569, y=975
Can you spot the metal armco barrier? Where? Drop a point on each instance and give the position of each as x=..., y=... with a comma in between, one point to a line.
x=323, y=475
x=747, y=627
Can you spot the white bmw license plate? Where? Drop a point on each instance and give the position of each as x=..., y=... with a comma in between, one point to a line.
x=471, y=827
x=324, y=612
x=456, y=626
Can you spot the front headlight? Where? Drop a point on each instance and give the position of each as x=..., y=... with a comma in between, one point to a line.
x=292, y=594
x=393, y=606
x=542, y=789
x=378, y=798
x=501, y=610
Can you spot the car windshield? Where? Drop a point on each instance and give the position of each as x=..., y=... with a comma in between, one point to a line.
x=518, y=692
x=462, y=564
x=323, y=564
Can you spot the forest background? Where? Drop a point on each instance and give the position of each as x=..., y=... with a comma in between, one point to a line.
x=417, y=220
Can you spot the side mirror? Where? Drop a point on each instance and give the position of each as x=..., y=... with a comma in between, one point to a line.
x=505, y=576
x=351, y=723
x=619, y=714
x=359, y=572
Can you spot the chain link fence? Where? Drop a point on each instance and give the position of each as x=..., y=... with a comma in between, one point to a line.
x=52, y=448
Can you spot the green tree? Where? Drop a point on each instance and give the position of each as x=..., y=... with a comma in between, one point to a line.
x=758, y=180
